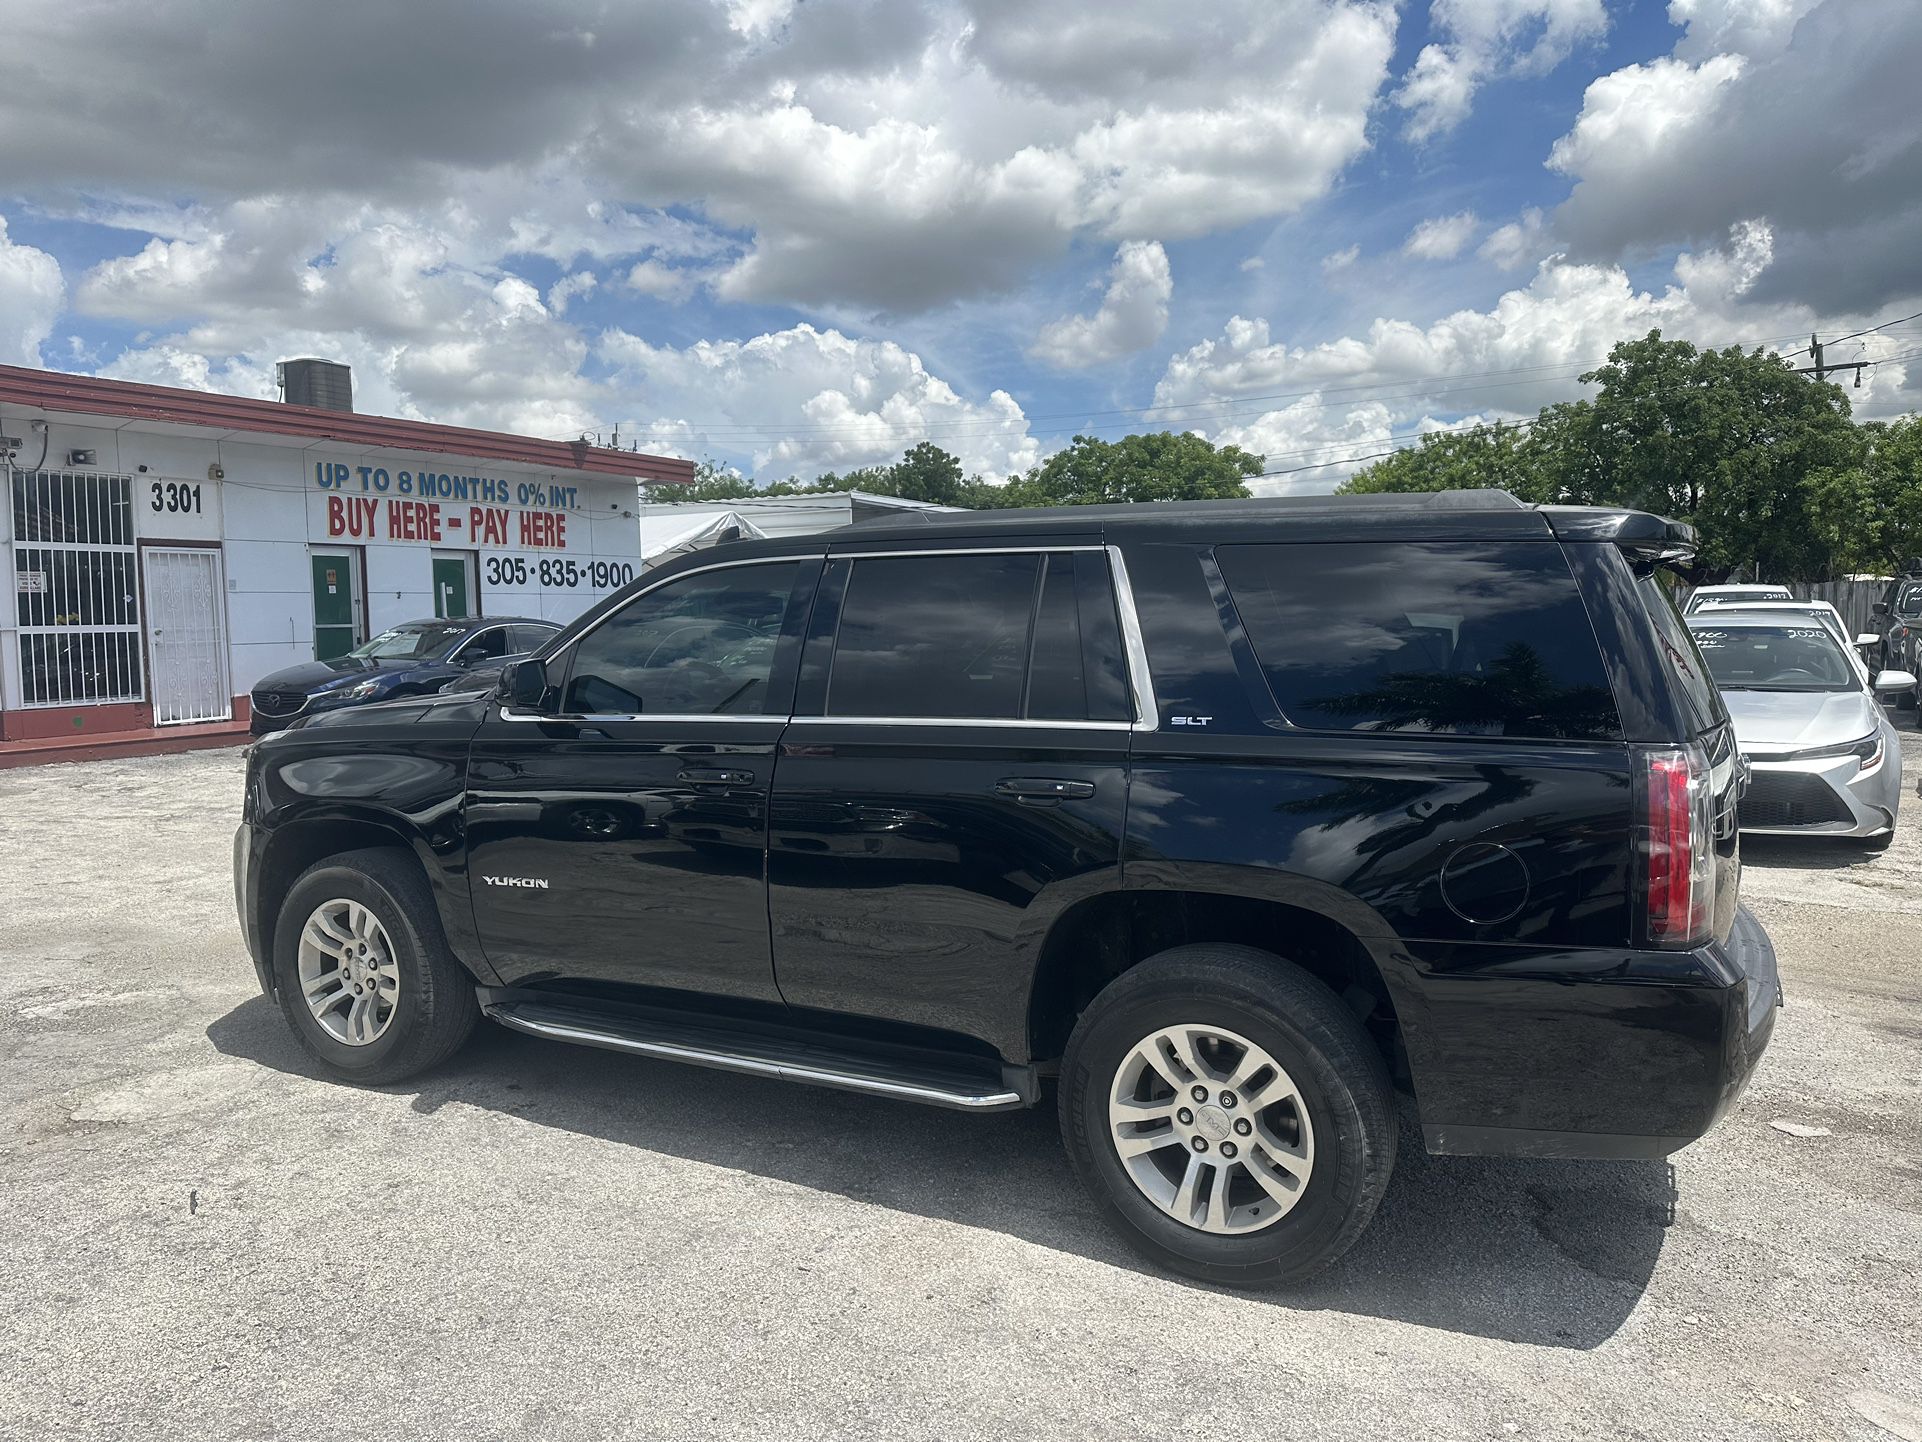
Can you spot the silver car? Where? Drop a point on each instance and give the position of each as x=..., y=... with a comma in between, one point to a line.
x=1825, y=759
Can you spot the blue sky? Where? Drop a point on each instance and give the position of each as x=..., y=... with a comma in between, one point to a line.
x=797, y=235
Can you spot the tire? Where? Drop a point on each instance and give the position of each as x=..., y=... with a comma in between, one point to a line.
x=434, y=1008
x=1338, y=1079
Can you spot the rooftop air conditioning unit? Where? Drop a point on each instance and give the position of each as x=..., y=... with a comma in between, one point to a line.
x=323, y=383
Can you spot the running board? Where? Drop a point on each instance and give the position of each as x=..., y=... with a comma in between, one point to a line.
x=917, y=1079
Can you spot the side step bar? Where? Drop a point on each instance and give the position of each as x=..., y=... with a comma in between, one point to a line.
x=959, y=1086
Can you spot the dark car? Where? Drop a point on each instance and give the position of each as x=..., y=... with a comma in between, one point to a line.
x=1899, y=614
x=416, y=658
x=1225, y=821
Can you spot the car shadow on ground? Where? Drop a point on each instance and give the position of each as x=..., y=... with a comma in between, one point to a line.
x=1550, y=1253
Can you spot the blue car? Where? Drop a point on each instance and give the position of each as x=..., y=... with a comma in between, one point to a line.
x=415, y=658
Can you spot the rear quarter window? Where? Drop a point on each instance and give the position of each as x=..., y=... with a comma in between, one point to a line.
x=1442, y=638
x=1681, y=658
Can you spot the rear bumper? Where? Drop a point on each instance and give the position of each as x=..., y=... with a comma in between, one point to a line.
x=1607, y=1055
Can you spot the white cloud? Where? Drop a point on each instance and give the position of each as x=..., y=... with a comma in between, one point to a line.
x=1804, y=115
x=1252, y=263
x=569, y=288
x=1340, y=260
x=1631, y=117
x=663, y=282
x=1132, y=316
x=1746, y=27
x=32, y=292
x=1485, y=39
x=1442, y=238
x=803, y=400
x=859, y=153
x=1524, y=352
x=1521, y=242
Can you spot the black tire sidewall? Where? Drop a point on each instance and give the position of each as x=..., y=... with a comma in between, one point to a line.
x=1311, y=1231
x=404, y=1035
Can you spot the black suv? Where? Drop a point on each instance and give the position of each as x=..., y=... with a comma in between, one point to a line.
x=1229, y=818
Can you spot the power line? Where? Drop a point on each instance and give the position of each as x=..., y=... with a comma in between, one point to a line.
x=1395, y=450
x=1814, y=347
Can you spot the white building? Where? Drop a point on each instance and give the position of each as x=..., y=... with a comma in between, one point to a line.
x=162, y=549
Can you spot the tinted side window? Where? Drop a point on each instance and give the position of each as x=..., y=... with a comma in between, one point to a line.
x=1108, y=695
x=1057, y=672
x=1478, y=640
x=1681, y=659
x=487, y=645
x=934, y=636
x=703, y=645
x=522, y=639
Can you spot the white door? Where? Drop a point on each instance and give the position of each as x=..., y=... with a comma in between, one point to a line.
x=186, y=635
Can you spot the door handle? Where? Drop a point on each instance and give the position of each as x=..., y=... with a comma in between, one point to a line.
x=714, y=776
x=1043, y=790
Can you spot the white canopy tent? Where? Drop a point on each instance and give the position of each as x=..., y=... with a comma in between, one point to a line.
x=700, y=533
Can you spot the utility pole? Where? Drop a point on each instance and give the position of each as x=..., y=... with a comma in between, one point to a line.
x=1821, y=372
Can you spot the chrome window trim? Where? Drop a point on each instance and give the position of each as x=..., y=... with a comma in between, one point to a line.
x=577, y=718
x=967, y=551
x=1140, y=680
x=1147, y=708
x=1024, y=722
x=473, y=636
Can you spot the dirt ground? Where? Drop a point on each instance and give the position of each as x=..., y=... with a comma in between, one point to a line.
x=204, y=1240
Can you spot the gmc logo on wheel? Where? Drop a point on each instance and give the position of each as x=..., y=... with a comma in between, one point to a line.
x=532, y=883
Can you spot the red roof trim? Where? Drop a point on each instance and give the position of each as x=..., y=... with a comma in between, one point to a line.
x=132, y=400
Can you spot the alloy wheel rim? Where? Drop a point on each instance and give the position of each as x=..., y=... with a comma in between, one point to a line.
x=348, y=974
x=1211, y=1129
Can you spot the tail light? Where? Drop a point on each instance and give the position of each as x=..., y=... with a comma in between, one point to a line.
x=1678, y=846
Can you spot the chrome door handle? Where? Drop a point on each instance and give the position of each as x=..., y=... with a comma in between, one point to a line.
x=714, y=776
x=1043, y=789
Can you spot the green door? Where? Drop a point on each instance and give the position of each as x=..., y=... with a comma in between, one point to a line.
x=333, y=605
x=450, y=586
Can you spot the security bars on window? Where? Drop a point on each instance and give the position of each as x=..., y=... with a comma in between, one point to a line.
x=76, y=579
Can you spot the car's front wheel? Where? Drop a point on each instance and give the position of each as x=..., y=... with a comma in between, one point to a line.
x=362, y=969
x=1230, y=1115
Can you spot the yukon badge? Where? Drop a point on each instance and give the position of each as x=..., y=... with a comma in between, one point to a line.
x=531, y=883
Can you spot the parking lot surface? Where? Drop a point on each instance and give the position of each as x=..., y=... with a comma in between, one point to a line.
x=203, y=1239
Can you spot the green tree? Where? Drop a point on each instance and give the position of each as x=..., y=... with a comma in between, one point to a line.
x=712, y=482
x=1163, y=466
x=1869, y=515
x=1732, y=441
x=1502, y=456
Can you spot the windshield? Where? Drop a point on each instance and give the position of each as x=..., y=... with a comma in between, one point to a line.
x=410, y=643
x=1771, y=658
x=1734, y=596
x=1909, y=599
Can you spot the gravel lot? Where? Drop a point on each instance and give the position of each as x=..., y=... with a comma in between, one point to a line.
x=204, y=1240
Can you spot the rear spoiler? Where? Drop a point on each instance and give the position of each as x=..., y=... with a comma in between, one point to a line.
x=1648, y=538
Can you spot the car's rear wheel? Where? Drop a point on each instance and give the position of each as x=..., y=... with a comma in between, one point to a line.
x=362, y=970
x=1229, y=1114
